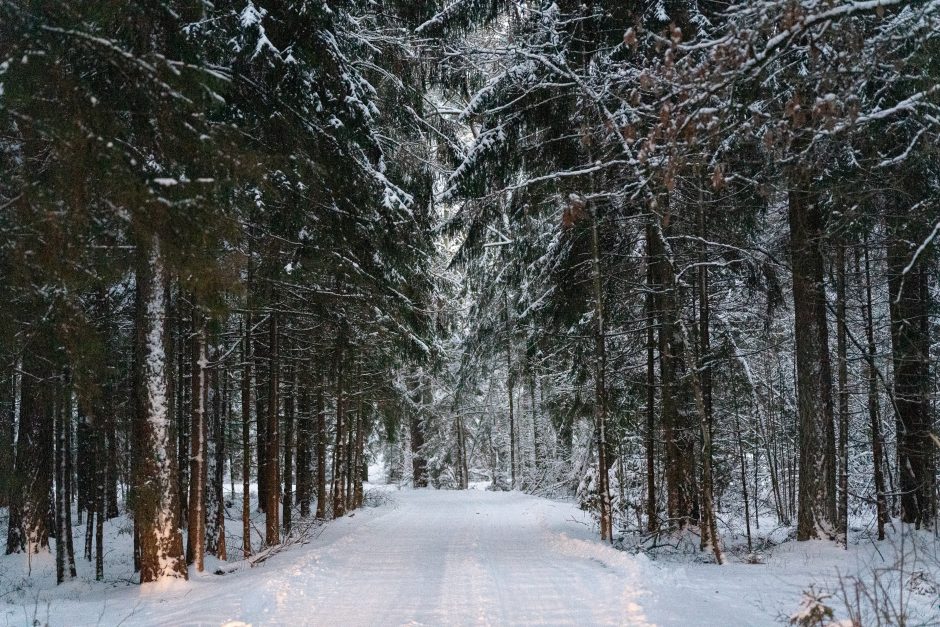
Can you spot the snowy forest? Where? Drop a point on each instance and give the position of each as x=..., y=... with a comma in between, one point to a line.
x=270, y=270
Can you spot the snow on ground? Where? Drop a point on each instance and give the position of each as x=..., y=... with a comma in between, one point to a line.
x=430, y=557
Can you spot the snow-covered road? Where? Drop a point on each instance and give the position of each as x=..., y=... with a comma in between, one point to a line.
x=446, y=558
x=436, y=558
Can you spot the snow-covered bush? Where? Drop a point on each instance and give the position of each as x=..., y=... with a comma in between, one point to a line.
x=814, y=610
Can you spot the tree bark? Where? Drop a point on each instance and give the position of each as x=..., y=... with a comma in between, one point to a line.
x=246, y=402
x=874, y=409
x=600, y=387
x=652, y=518
x=357, y=472
x=680, y=429
x=272, y=442
x=910, y=340
x=843, y=374
x=290, y=392
x=28, y=530
x=156, y=502
x=419, y=463
x=7, y=426
x=817, y=495
x=196, y=535
x=67, y=484
x=321, y=450
x=215, y=510
x=65, y=561
x=182, y=395
x=304, y=420
x=509, y=392
x=339, y=450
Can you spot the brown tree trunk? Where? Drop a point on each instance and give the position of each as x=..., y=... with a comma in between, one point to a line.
x=28, y=530
x=509, y=392
x=7, y=413
x=652, y=518
x=843, y=374
x=156, y=502
x=680, y=429
x=743, y=467
x=419, y=463
x=600, y=388
x=817, y=495
x=196, y=528
x=65, y=562
x=352, y=425
x=910, y=340
x=702, y=378
x=262, y=368
x=65, y=534
x=536, y=449
x=709, y=526
x=874, y=410
x=182, y=394
x=320, y=436
x=358, y=469
x=272, y=442
x=290, y=391
x=304, y=420
x=246, y=402
x=339, y=450
x=215, y=515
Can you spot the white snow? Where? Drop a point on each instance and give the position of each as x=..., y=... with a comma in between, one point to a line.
x=429, y=557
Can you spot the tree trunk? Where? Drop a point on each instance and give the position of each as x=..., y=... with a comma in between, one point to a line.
x=743, y=466
x=360, y=454
x=536, y=449
x=111, y=445
x=262, y=367
x=817, y=499
x=28, y=529
x=419, y=463
x=7, y=426
x=67, y=483
x=272, y=443
x=509, y=392
x=352, y=424
x=680, y=429
x=321, y=450
x=910, y=340
x=196, y=535
x=843, y=374
x=652, y=518
x=247, y=359
x=215, y=511
x=183, y=392
x=156, y=502
x=304, y=420
x=462, y=464
x=600, y=388
x=702, y=379
x=290, y=392
x=65, y=563
x=874, y=410
x=101, y=476
x=339, y=450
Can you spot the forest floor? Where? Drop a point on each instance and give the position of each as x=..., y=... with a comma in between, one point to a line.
x=425, y=557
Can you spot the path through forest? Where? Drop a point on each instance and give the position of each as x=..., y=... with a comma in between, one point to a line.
x=452, y=558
